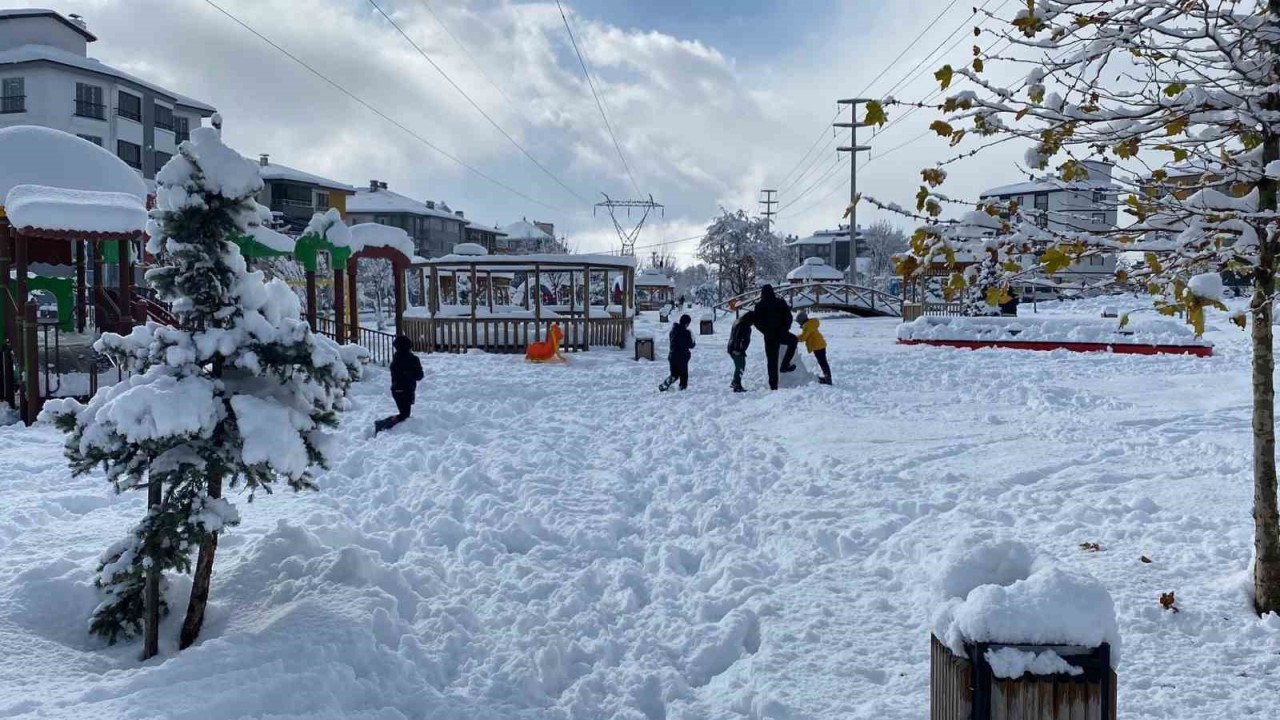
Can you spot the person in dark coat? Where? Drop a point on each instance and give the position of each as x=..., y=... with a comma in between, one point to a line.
x=678, y=356
x=739, y=341
x=773, y=320
x=406, y=372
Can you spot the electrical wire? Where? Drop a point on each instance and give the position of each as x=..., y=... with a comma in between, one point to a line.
x=599, y=104
x=475, y=105
x=444, y=153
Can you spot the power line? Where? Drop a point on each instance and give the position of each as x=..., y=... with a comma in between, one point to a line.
x=591, y=84
x=440, y=21
x=907, y=49
x=912, y=73
x=473, y=103
x=823, y=133
x=812, y=163
x=380, y=113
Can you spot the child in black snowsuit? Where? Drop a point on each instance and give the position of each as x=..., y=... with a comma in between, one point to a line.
x=739, y=341
x=682, y=345
x=406, y=372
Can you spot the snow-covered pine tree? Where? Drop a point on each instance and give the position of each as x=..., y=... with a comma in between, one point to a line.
x=240, y=393
x=1184, y=97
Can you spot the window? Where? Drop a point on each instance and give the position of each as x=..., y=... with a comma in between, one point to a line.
x=1099, y=218
x=181, y=128
x=1099, y=197
x=1042, y=201
x=1096, y=260
x=130, y=153
x=13, y=98
x=89, y=102
x=96, y=140
x=129, y=106
x=161, y=159
x=321, y=200
x=164, y=117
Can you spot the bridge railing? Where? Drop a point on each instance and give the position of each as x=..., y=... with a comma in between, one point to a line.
x=835, y=296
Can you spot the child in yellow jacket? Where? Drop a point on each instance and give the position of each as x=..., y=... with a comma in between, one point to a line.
x=813, y=341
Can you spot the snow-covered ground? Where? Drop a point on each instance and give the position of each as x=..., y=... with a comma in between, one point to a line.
x=548, y=541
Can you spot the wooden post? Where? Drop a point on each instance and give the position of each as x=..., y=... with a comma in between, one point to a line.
x=573, y=293
x=400, y=297
x=19, y=289
x=30, y=362
x=537, y=297
x=311, y=299
x=422, y=288
x=8, y=303
x=81, y=298
x=586, y=303
x=471, y=295
x=340, y=304
x=95, y=265
x=126, y=288
x=434, y=304
x=353, y=301
x=490, y=293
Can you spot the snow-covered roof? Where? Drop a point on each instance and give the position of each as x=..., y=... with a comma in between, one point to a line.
x=34, y=53
x=518, y=263
x=525, y=230
x=485, y=228
x=367, y=235
x=388, y=201
x=274, y=171
x=815, y=269
x=469, y=249
x=824, y=237
x=35, y=155
x=1049, y=185
x=649, y=277
x=81, y=211
x=45, y=12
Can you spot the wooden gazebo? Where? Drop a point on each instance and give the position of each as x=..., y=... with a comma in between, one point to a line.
x=448, y=324
x=654, y=289
x=922, y=291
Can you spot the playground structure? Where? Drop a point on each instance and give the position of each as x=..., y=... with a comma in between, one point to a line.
x=541, y=351
x=67, y=207
x=654, y=289
x=835, y=296
x=571, y=292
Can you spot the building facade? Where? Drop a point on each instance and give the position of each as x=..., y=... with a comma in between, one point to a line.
x=525, y=238
x=832, y=246
x=1089, y=206
x=489, y=238
x=434, y=227
x=48, y=79
x=294, y=196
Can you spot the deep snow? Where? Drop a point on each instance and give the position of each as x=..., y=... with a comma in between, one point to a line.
x=563, y=541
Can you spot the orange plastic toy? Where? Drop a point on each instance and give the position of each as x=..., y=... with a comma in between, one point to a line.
x=547, y=350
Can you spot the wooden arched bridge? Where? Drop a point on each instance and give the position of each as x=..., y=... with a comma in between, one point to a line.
x=842, y=297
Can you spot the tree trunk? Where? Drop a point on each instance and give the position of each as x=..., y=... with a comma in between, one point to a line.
x=151, y=593
x=1266, y=519
x=204, y=576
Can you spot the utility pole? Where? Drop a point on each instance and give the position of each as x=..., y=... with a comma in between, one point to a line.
x=853, y=149
x=767, y=202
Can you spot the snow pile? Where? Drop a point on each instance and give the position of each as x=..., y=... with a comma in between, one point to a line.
x=995, y=591
x=369, y=235
x=43, y=156
x=85, y=211
x=1144, y=331
x=1207, y=286
x=1011, y=663
x=329, y=226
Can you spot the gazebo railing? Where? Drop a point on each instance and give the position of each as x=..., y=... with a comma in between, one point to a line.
x=505, y=336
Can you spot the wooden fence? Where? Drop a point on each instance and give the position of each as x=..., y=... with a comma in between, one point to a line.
x=496, y=335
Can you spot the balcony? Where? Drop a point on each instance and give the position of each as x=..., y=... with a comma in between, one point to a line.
x=86, y=109
x=13, y=104
x=129, y=114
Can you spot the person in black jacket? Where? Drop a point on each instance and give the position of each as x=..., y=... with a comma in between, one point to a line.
x=739, y=341
x=406, y=372
x=773, y=320
x=678, y=356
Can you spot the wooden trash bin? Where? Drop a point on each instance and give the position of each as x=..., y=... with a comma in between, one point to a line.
x=644, y=348
x=966, y=687
x=664, y=315
x=706, y=327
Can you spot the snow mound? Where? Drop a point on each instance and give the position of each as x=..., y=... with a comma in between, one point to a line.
x=1012, y=663
x=1144, y=331
x=996, y=592
x=88, y=211
x=44, y=156
x=1208, y=286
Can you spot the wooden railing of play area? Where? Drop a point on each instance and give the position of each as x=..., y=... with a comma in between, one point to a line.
x=497, y=335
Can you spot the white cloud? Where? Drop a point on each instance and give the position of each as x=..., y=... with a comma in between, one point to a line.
x=700, y=129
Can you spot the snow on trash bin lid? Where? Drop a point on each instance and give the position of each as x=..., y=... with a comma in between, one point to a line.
x=643, y=334
x=997, y=591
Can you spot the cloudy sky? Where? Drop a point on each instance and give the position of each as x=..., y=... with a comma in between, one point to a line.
x=710, y=100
